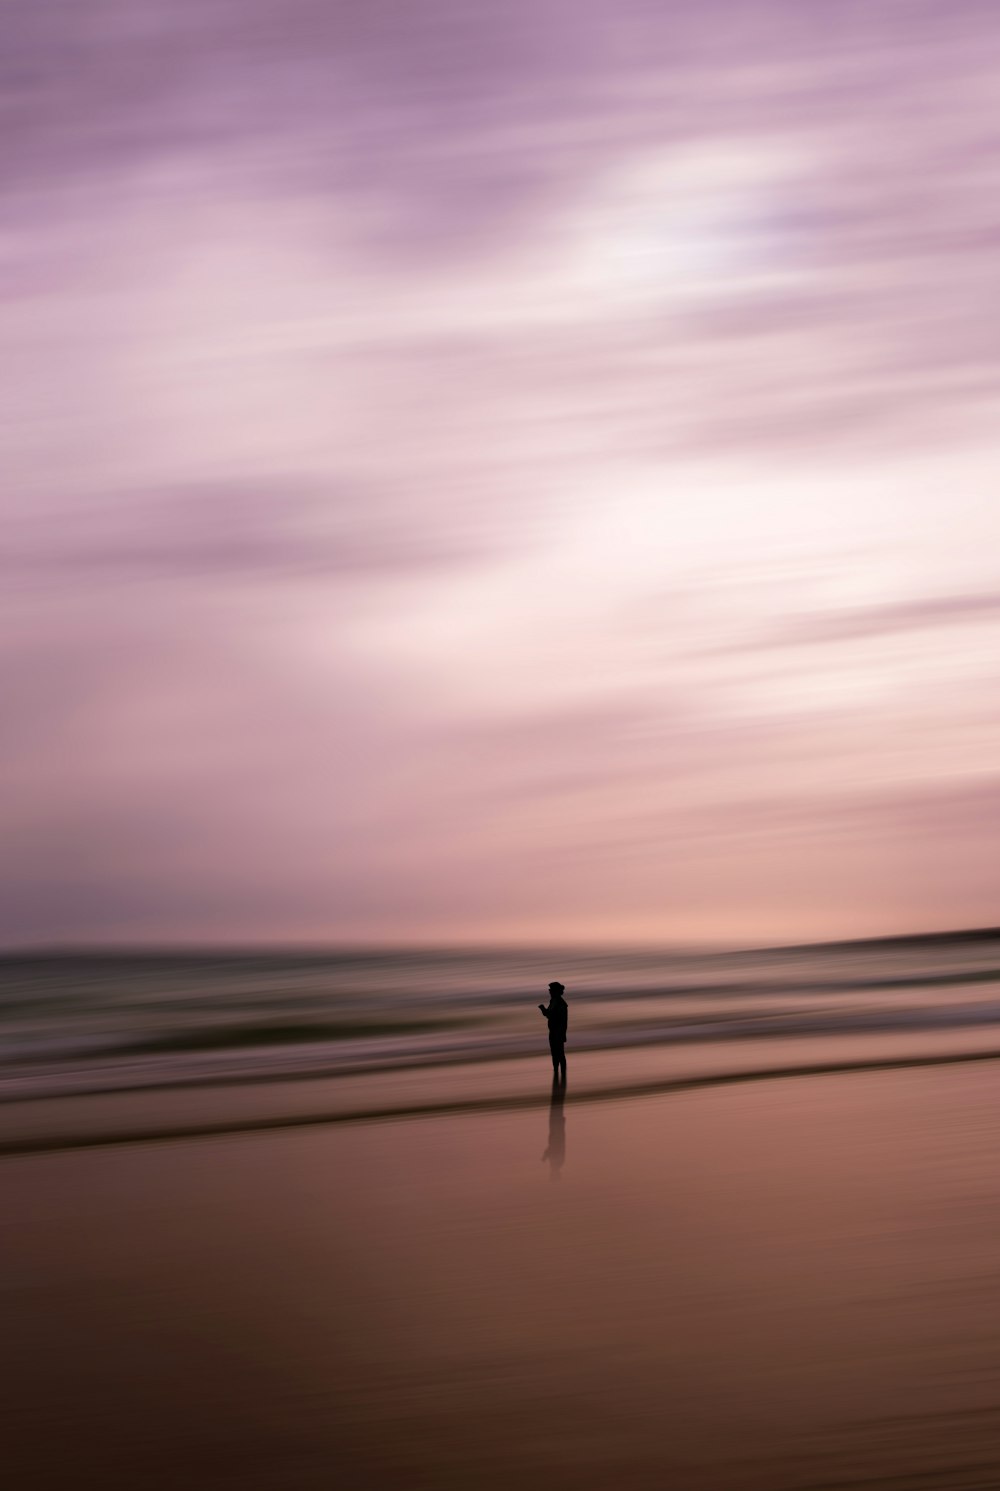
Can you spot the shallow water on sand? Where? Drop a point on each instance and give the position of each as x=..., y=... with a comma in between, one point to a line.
x=783, y=1286
x=100, y=1023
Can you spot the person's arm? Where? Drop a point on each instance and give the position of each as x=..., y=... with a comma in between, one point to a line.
x=544, y=1011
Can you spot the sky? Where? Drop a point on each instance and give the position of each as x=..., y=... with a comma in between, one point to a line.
x=499, y=470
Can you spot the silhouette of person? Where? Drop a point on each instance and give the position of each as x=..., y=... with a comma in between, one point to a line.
x=556, y=1152
x=558, y=1017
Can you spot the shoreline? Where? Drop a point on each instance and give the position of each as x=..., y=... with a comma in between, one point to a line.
x=497, y=1103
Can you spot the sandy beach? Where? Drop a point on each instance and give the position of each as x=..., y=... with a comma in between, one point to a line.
x=787, y=1284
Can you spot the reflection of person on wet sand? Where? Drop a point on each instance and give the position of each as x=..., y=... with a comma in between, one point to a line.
x=558, y=1017
x=556, y=1152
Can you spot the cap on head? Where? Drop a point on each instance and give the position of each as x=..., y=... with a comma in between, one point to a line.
x=556, y=988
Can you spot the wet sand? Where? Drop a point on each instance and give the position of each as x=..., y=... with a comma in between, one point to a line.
x=787, y=1284
x=34, y=1124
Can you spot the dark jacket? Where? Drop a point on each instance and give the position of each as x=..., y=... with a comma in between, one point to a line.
x=557, y=1015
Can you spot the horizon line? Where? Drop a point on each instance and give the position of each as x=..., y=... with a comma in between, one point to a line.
x=310, y=948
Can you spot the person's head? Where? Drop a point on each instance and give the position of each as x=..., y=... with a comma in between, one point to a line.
x=556, y=990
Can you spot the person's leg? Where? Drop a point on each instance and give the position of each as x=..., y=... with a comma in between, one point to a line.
x=562, y=1062
x=554, y=1053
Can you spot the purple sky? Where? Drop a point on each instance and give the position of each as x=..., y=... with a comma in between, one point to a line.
x=523, y=469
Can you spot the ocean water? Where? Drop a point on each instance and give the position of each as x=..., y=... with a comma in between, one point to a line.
x=108, y=1022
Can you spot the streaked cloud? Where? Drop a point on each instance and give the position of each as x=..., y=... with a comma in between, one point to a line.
x=861, y=623
x=225, y=531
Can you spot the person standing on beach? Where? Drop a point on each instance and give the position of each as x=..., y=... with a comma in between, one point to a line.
x=558, y=1017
